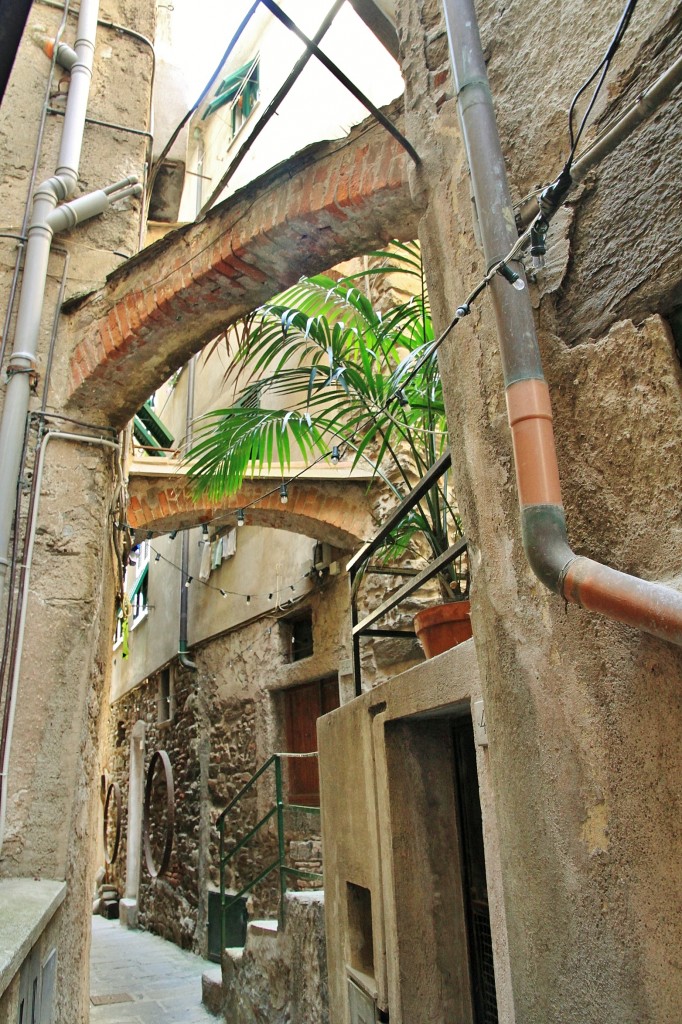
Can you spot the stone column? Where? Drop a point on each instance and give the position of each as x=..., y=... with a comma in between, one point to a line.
x=129, y=904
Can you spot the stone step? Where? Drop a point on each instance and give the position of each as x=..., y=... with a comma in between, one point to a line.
x=212, y=990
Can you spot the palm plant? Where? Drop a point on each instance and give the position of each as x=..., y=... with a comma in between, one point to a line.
x=352, y=380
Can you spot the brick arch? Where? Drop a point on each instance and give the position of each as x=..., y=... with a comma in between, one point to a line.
x=332, y=201
x=337, y=512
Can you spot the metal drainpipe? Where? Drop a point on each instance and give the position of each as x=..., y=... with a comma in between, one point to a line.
x=652, y=607
x=184, y=563
x=47, y=219
x=8, y=718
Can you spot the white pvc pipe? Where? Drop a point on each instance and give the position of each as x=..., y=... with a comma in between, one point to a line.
x=14, y=685
x=39, y=240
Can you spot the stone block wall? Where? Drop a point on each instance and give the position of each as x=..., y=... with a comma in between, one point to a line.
x=167, y=905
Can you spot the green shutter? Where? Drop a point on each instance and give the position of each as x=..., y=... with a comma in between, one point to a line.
x=246, y=76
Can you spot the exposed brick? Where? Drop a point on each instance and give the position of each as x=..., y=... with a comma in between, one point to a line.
x=350, y=200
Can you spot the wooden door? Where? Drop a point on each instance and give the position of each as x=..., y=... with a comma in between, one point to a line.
x=303, y=705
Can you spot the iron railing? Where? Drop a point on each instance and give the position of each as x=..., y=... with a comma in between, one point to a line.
x=357, y=564
x=277, y=812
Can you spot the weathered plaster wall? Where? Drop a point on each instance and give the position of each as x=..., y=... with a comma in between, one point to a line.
x=583, y=715
x=52, y=808
x=389, y=827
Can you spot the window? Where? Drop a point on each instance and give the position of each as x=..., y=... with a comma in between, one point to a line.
x=240, y=90
x=139, y=598
x=297, y=636
x=165, y=700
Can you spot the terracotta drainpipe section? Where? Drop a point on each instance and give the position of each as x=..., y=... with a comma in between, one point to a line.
x=652, y=607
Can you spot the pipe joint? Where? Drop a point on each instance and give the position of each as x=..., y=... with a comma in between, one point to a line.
x=545, y=542
x=65, y=56
x=27, y=357
x=473, y=91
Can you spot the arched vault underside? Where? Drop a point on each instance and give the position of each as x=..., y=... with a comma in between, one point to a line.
x=332, y=201
x=337, y=512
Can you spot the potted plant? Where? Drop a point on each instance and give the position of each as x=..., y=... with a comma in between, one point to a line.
x=354, y=382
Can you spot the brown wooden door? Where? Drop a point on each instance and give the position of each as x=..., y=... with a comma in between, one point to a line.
x=303, y=705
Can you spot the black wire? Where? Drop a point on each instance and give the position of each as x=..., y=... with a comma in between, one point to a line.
x=603, y=66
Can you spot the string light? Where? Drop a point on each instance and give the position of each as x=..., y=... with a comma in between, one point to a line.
x=221, y=590
x=510, y=275
x=240, y=517
x=336, y=456
x=204, y=529
x=172, y=535
x=283, y=494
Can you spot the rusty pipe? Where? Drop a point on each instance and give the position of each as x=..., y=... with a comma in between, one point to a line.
x=652, y=607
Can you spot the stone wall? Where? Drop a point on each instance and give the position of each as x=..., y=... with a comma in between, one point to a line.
x=583, y=714
x=168, y=904
x=227, y=722
x=53, y=803
x=280, y=977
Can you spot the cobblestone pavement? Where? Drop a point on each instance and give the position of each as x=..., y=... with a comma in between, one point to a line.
x=155, y=981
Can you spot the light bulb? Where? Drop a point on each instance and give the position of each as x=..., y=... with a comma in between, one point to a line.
x=283, y=494
x=188, y=581
x=538, y=262
x=248, y=598
x=158, y=556
x=240, y=517
x=222, y=592
x=172, y=535
x=336, y=457
x=510, y=275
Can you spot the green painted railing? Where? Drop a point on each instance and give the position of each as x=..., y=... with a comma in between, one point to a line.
x=227, y=900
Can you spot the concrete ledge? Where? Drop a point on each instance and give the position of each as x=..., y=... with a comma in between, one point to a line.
x=26, y=908
x=212, y=990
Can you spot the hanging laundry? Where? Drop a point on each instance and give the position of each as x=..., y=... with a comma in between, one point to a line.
x=217, y=554
x=230, y=543
x=205, y=565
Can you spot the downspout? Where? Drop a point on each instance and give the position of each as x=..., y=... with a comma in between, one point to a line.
x=47, y=219
x=184, y=562
x=651, y=607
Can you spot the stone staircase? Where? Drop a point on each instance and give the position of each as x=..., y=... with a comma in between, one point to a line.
x=281, y=973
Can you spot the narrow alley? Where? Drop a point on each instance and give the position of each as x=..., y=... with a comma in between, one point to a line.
x=138, y=978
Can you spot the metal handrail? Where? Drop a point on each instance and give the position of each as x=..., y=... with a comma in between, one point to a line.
x=356, y=564
x=277, y=810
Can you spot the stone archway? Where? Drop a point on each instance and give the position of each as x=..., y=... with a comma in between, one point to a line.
x=337, y=512
x=332, y=201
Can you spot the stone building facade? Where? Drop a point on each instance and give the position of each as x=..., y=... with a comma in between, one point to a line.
x=578, y=781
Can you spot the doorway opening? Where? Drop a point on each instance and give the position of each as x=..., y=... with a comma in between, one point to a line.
x=474, y=882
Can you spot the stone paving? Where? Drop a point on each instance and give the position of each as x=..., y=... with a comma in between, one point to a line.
x=154, y=980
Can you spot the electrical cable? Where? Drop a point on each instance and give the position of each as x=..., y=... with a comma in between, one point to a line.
x=603, y=66
x=223, y=591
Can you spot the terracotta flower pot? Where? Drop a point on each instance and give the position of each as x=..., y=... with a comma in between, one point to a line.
x=443, y=626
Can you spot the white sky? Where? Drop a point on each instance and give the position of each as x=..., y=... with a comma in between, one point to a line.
x=201, y=32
